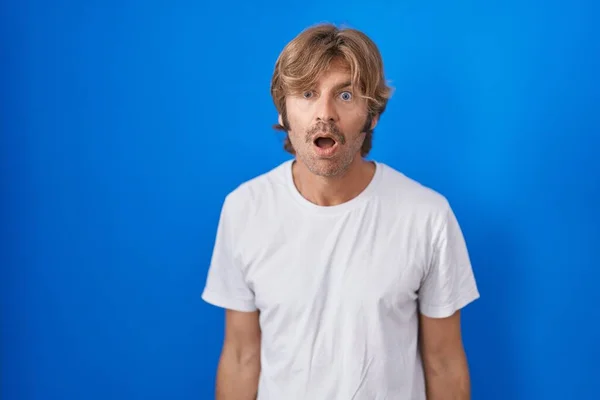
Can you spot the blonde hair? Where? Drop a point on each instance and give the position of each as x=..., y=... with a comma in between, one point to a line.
x=311, y=52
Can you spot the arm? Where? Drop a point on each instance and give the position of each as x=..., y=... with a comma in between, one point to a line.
x=239, y=364
x=444, y=359
x=447, y=287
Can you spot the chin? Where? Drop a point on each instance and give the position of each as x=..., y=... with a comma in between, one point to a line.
x=327, y=168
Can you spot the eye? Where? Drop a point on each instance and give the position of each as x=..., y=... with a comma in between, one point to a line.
x=307, y=95
x=346, y=96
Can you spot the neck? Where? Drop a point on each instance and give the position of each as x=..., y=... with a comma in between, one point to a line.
x=331, y=191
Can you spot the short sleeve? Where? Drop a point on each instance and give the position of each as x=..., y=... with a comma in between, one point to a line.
x=225, y=284
x=449, y=282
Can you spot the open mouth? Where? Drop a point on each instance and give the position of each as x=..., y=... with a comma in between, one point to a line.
x=324, y=142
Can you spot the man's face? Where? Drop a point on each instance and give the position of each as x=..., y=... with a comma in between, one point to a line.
x=327, y=122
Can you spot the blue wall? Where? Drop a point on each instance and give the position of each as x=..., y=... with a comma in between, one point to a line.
x=124, y=125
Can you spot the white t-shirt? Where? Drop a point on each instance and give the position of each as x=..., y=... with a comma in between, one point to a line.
x=339, y=288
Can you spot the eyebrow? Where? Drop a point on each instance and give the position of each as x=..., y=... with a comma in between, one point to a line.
x=342, y=85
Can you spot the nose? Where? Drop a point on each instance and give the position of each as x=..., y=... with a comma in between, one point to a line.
x=326, y=111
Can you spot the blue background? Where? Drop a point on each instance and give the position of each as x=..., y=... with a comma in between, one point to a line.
x=124, y=124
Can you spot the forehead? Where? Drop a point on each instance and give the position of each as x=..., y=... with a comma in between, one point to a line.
x=338, y=72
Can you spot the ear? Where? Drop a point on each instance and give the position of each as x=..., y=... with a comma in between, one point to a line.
x=374, y=121
x=280, y=120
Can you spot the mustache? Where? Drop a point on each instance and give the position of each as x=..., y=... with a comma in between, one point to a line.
x=325, y=128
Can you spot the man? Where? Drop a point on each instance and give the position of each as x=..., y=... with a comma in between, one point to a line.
x=341, y=277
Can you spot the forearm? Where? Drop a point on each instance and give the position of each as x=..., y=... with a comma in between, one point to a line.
x=447, y=379
x=237, y=376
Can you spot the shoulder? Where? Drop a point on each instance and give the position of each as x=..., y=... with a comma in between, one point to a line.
x=427, y=213
x=410, y=195
x=257, y=192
